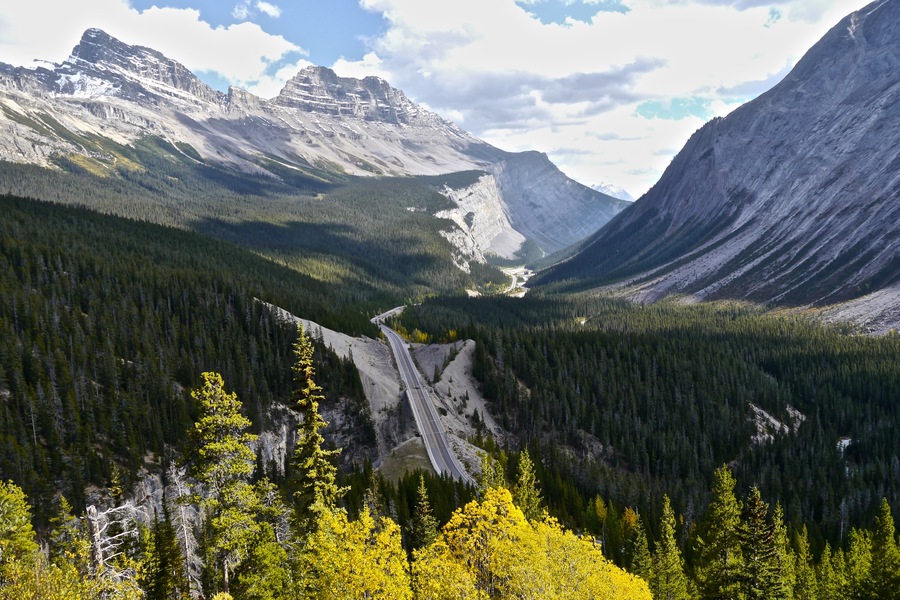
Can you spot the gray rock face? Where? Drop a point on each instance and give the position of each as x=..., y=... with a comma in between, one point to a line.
x=548, y=207
x=320, y=90
x=793, y=199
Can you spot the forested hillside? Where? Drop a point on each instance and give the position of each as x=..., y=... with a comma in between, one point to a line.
x=631, y=402
x=375, y=239
x=104, y=325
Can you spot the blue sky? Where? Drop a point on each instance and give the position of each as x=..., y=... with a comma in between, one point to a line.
x=610, y=89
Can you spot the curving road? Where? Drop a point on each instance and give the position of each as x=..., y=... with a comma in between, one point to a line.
x=427, y=419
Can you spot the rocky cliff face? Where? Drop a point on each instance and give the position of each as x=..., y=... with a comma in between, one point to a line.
x=548, y=207
x=794, y=198
x=320, y=90
x=110, y=90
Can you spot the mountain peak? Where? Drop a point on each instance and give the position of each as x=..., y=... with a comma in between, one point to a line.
x=105, y=57
x=790, y=199
x=320, y=90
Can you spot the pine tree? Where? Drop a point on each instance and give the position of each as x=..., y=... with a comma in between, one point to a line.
x=758, y=546
x=424, y=528
x=858, y=559
x=885, y=569
x=16, y=533
x=492, y=475
x=783, y=560
x=164, y=575
x=525, y=493
x=669, y=581
x=68, y=542
x=222, y=463
x=717, y=547
x=641, y=560
x=265, y=575
x=316, y=475
x=806, y=584
x=831, y=575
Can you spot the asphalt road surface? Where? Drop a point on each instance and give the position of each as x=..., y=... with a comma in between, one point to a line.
x=427, y=418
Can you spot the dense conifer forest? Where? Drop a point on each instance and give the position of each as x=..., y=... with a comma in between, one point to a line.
x=657, y=397
x=375, y=241
x=104, y=325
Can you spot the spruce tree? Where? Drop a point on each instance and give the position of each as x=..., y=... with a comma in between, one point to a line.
x=759, y=575
x=17, y=542
x=68, y=542
x=316, y=474
x=717, y=546
x=525, y=493
x=424, y=528
x=163, y=577
x=885, y=569
x=858, y=564
x=783, y=560
x=831, y=575
x=222, y=462
x=669, y=581
x=806, y=585
x=641, y=560
x=491, y=476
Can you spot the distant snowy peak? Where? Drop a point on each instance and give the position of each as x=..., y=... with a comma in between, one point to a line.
x=613, y=190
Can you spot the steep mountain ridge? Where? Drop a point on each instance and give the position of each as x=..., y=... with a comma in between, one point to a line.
x=109, y=90
x=794, y=198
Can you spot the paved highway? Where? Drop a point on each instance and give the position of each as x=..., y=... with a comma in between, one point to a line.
x=427, y=419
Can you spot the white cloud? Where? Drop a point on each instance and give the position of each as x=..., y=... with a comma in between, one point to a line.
x=242, y=53
x=369, y=65
x=241, y=12
x=573, y=90
x=268, y=9
x=268, y=86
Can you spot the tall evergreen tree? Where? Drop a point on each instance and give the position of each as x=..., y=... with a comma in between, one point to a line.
x=526, y=494
x=759, y=576
x=858, y=559
x=316, y=474
x=641, y=560
x=164, y=576
x=424, y=528
x=222, y=462
x=492, y=474
x=783, y=559
x=68, y=542
x=885, y=569
x=717, y=546
x=16, y=533
x=831, y=575
x=669, y=581
x=806, y=585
